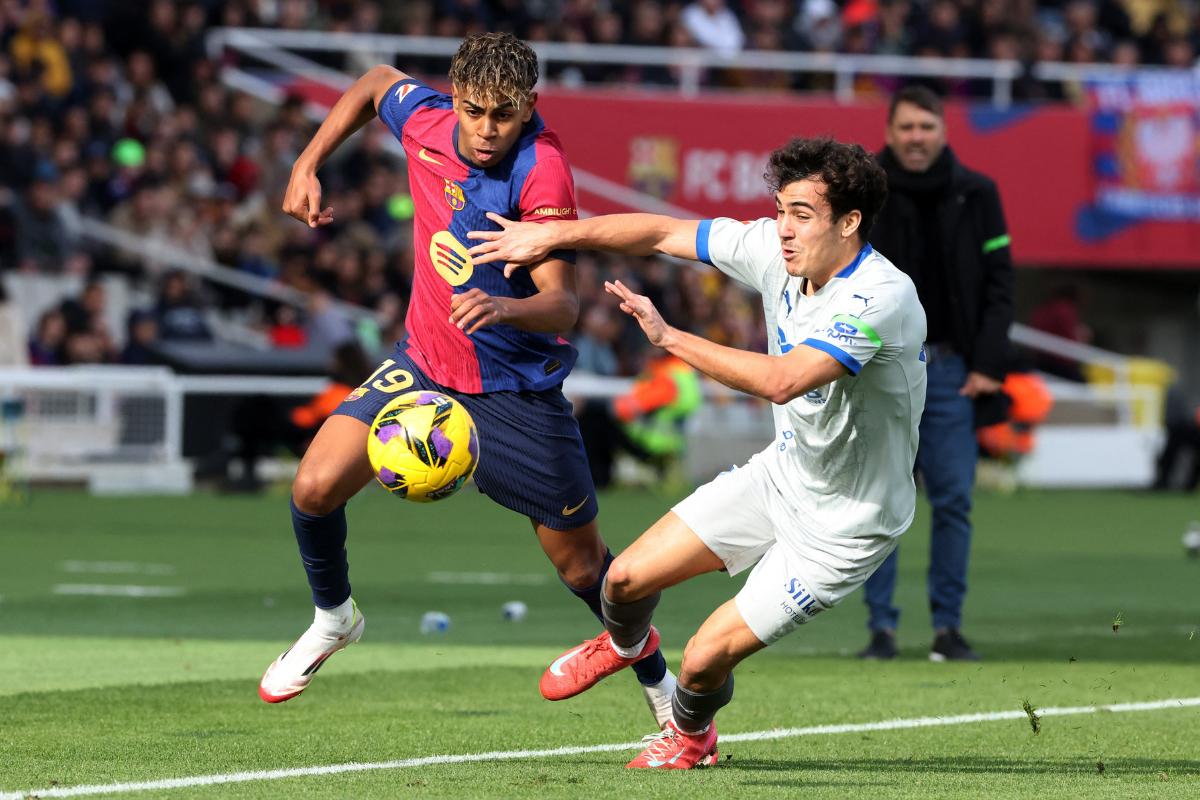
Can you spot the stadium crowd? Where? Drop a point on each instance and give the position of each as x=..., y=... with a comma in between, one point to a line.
x=114, y=111
x=133, y=127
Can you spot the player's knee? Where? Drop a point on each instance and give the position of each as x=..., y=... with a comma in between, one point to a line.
x=315, y=493
x=621, y=583
x=581, y=565
x=705, y=665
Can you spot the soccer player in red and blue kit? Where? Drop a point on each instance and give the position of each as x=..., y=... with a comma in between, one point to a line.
x=490, y=342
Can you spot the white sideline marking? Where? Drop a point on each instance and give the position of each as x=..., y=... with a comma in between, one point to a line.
x=117, y=567
x=115, y=590
x=487, y=578
x=513, y=755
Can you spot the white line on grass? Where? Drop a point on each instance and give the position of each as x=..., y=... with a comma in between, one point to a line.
x=117, y=567
x=487, y=578
x=514, y=755
x=116, y=590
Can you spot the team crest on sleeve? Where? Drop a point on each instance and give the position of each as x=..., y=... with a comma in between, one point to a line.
x=450, y=258
x=454, y=195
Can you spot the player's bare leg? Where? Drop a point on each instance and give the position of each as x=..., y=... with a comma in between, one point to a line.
x=582, y=560
x=705, y=686
x=668, y=553
x=333, y=470
x=579, y=555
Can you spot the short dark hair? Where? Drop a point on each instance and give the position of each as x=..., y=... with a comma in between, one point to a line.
x=919, y=96
x=495, y=67
x=852, y=178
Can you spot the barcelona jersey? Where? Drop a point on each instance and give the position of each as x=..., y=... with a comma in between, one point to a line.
x=452, y=196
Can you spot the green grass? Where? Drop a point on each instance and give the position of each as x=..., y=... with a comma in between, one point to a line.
x=97, y=689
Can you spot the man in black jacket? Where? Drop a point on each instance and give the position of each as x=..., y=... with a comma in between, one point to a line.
x=943, y=225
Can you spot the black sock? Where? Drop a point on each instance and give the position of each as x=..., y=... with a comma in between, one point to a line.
x=322, y=542
x=649, y=670
x=693, y=711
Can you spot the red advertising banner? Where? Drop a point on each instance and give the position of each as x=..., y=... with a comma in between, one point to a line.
x=705, y=157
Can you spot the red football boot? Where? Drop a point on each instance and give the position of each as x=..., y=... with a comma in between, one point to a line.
x=673, y=749
x=581, y=668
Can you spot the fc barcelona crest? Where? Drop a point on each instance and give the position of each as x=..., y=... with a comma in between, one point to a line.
x=454, y=196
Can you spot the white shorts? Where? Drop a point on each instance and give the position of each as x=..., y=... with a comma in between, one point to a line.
x=743, y=519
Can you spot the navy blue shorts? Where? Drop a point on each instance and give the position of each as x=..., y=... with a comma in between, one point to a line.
x=531, y=457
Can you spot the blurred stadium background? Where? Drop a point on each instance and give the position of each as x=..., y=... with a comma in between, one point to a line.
x=159, y=315
x=144, y=149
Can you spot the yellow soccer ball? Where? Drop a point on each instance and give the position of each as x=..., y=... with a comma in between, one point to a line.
x=423, y=446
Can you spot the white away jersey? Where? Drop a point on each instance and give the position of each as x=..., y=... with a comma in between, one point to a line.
x=844, y=452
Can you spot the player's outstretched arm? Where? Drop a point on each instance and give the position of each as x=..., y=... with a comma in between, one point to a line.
x=779, y=379
x=355, y=108
x=523, y=243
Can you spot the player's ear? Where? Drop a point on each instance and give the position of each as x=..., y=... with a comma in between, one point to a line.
x=850, y=222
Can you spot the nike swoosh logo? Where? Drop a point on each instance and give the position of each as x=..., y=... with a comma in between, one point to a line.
x=560, y=662
x=566, y=512
x=424, y=156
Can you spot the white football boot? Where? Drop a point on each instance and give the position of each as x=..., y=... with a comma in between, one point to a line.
x=291, y=673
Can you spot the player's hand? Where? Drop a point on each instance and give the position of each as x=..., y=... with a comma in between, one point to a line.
x=517, y=243
x=475, y=309
x=302, y=199
x=978, y=383
x=640, y=308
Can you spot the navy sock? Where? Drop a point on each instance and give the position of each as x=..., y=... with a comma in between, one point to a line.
x=649, y=670
x=322, y=542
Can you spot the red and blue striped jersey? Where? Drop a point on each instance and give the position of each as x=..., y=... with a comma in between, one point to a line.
x=451, y=196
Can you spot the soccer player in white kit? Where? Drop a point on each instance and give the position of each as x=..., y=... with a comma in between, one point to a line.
x=821, y=507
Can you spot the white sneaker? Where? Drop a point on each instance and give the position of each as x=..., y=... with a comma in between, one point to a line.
x=290, y=674
x=658, y=697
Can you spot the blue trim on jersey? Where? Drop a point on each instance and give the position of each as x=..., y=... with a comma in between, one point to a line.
x=845, y=359
x=395, y=113
x=858, y=259
x=702, y=233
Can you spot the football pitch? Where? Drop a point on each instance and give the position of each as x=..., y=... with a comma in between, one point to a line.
x=133, y=633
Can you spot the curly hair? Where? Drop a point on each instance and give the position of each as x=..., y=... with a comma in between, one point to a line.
x=852, y=178
x=495, y=67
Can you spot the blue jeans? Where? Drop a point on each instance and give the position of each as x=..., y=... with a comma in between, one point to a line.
x=946, y=461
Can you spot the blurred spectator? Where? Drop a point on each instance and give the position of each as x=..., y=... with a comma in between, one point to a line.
x=1030, y=403
x=647, y=422
x=714, y=25
x=1183, y=439
x=1060, y=315
x=37, y=52
x=43, y=242
x=598, y=332
x=86, y=313
x=286, y=331
x=179, y=314
x=46, y=343
x=142, y=335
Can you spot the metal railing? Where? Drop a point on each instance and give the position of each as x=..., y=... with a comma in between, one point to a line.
x=690, y=63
